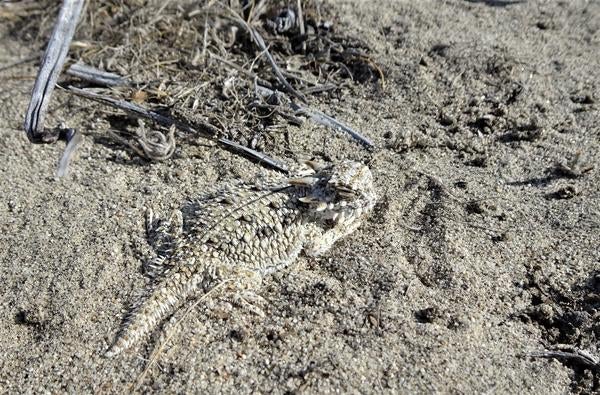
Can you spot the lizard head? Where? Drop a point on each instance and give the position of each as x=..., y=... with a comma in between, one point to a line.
x=340, y=192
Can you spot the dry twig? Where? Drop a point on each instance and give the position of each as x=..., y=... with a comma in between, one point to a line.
x=95, y=76
x=568, y=352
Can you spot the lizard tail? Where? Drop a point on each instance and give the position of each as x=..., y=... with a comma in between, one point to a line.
x=162, y=300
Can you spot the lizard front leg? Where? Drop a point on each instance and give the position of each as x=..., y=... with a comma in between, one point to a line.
x=163, y=236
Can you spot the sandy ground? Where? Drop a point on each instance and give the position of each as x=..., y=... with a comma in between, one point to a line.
x=482, y=249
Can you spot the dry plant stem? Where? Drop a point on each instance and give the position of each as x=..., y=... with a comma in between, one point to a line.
x=301, y=24
x=261, y=44
x=316, y=116
x=257, y=38
x=324, y=119
x=570, y=353
x=52, y=63
x=139, y=111
x=263, y=158
x=95, y=76
x=168, y=122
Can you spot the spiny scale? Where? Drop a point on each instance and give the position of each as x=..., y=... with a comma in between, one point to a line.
x=245, y=231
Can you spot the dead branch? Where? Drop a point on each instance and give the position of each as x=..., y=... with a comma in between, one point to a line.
x=52, y=63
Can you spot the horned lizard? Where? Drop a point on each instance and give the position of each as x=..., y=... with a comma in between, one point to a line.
x=243, y=232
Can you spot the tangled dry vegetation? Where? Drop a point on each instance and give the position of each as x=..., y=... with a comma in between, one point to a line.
x=240, y=70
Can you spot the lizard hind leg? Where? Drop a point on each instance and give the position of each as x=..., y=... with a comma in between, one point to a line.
x=240, y=291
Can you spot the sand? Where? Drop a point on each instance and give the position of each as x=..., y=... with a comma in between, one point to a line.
x=482, y=249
